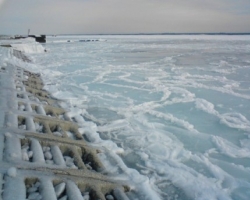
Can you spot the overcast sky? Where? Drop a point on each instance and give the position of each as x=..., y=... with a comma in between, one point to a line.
x=123, y=16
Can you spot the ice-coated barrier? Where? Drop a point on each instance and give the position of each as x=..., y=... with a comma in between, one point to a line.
x=14, y=188
x=50, y=158
x=37, y=151
x=12, y=147
x=57, y=156
x=30, y=124
x=11, y=119
x=40, y=110
x=47, y=190
x=73, y=191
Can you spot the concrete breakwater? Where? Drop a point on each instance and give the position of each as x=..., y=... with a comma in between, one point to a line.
x=43, y=155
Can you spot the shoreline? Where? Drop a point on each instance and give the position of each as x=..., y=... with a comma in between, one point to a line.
x=32, y=123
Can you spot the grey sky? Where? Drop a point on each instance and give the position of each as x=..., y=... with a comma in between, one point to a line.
x=123, y=16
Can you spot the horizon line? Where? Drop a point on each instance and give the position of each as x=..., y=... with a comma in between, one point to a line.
x=164, y=33
x=174, y=33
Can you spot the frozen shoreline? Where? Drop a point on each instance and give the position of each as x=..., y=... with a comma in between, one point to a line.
x=39, y=142
x=167, y=112
x=51, y=145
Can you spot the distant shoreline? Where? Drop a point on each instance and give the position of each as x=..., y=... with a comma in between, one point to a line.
x=159, y=34
x=136, y=34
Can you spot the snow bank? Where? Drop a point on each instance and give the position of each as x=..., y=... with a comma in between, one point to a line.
x=29, y=48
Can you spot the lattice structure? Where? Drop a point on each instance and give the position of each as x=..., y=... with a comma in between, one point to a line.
x=43, y=155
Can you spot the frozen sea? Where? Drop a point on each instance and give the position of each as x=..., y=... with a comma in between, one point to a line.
x=175, y=109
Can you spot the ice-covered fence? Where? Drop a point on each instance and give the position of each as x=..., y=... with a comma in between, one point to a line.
x=14, y=188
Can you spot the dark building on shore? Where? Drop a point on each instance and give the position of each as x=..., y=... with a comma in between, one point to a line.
x=39, y=38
